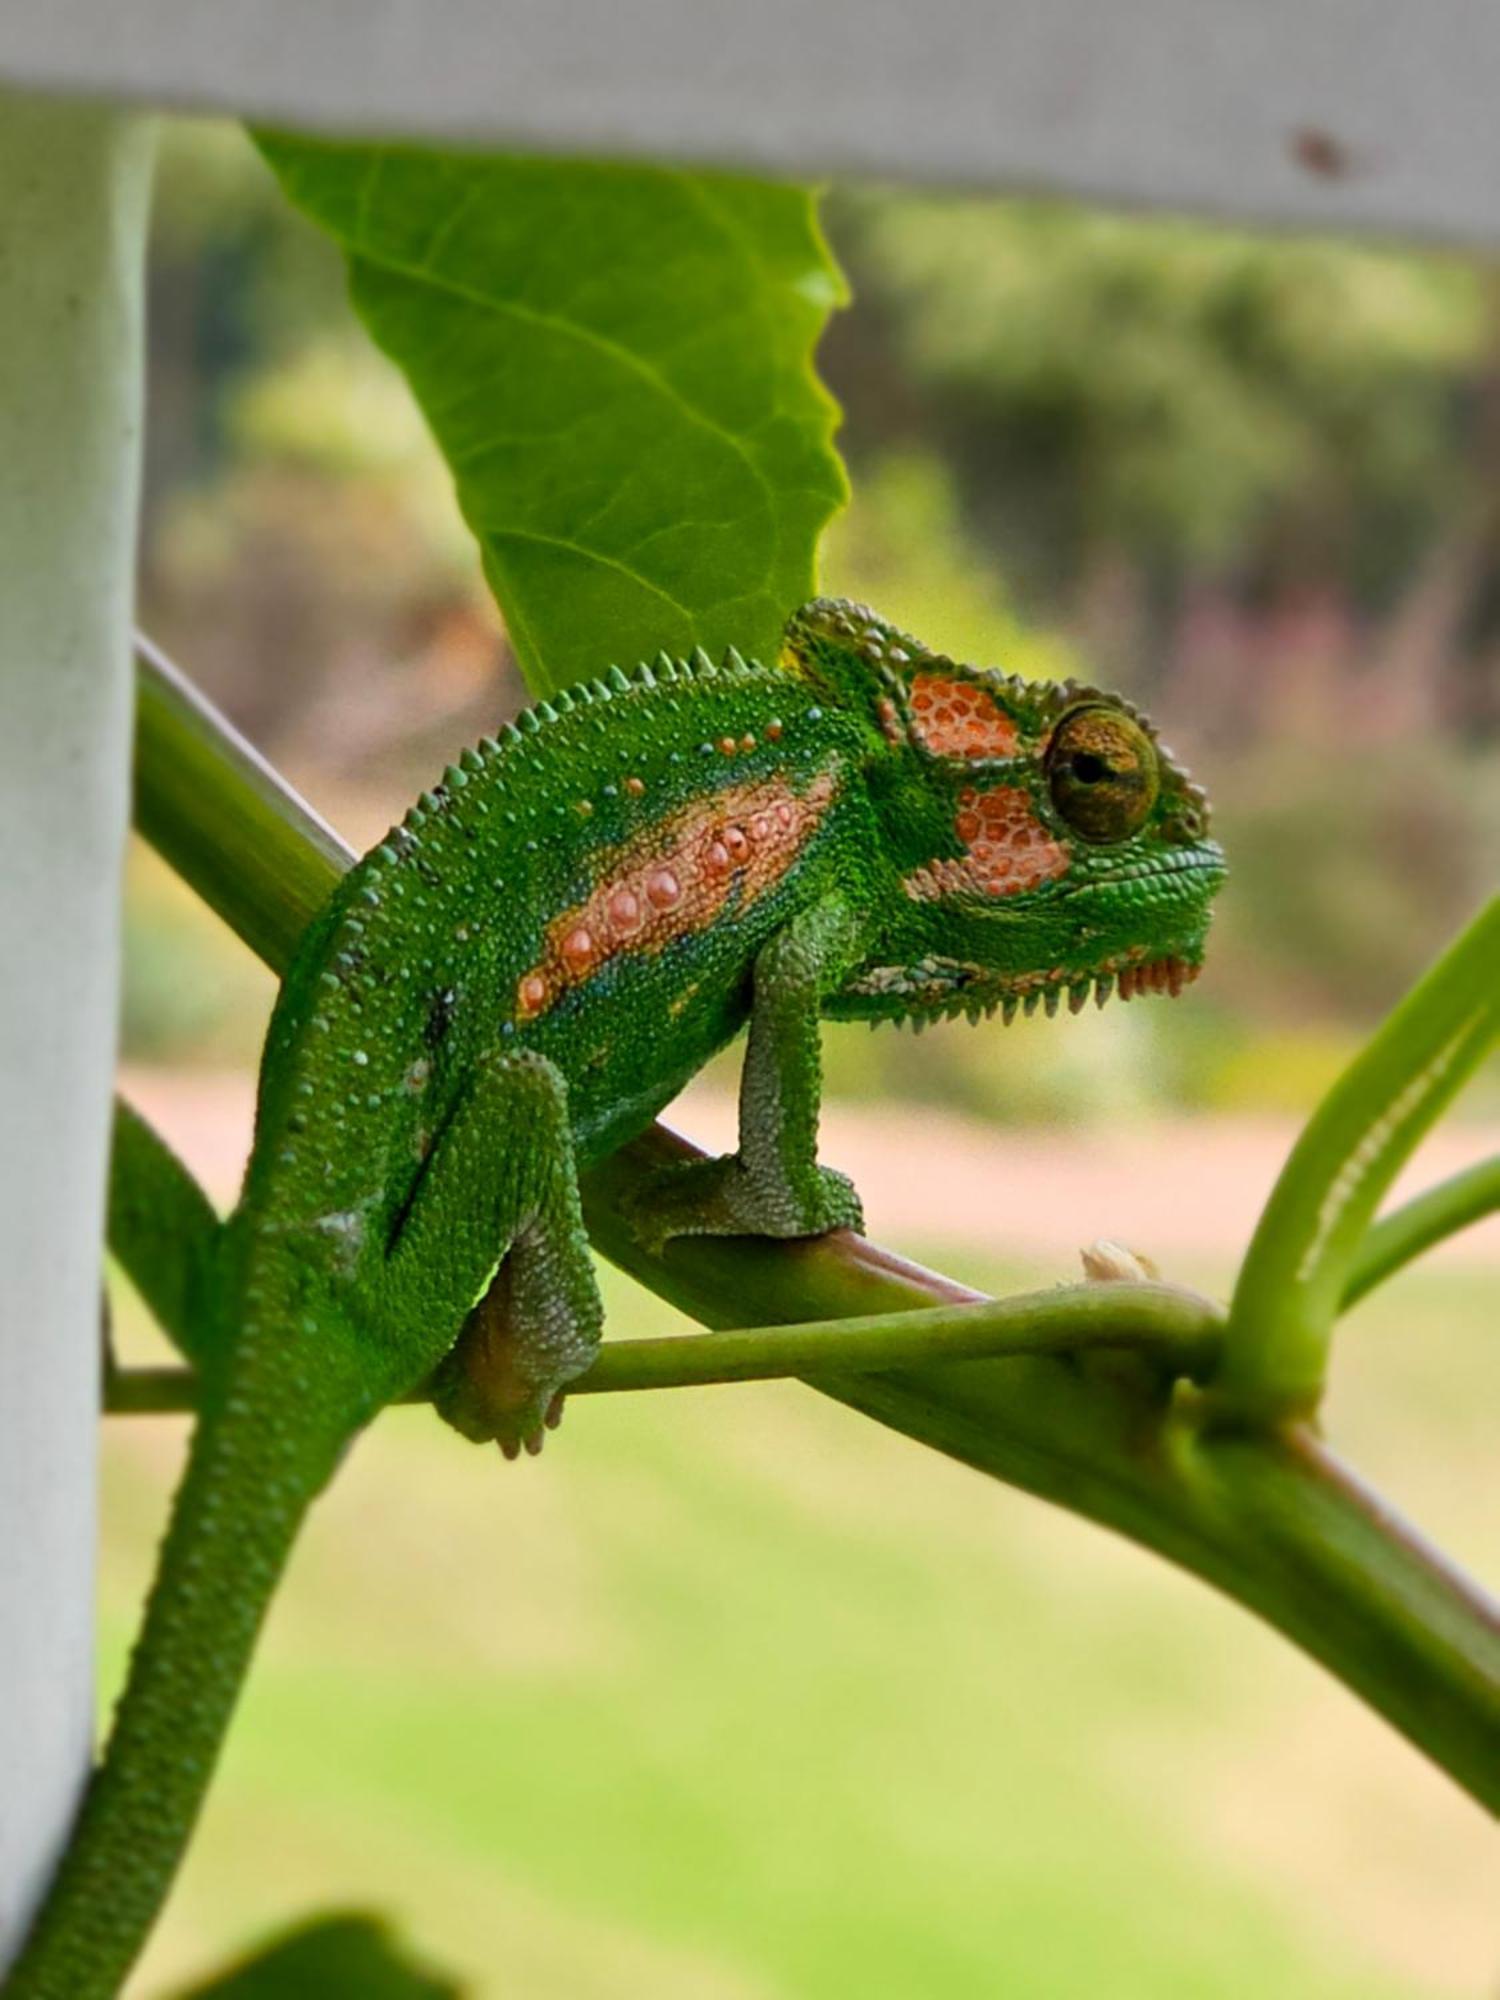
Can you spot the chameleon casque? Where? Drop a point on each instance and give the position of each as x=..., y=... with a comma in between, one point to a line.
x=512, y=984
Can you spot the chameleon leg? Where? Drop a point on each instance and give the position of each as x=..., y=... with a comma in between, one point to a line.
x=773, y=1185
x=535, y=1323
x=164, y=1232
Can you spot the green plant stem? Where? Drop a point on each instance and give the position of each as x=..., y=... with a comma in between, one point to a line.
x=1271, y=1519
x=150, y=1392
x=1274, y=1520
x=1295, y=1272
x=228, y=824
x=1428, y=1218
x=1178, y=1327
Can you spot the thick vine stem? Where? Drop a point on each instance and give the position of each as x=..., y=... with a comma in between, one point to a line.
x=219, y=813
x=1269, y=1517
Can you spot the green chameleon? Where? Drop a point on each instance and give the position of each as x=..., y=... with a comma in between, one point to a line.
x=512, y=984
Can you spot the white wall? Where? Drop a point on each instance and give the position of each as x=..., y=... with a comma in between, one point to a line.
x=1345, y=113
x=72, y=223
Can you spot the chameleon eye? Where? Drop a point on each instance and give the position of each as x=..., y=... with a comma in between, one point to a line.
x=1102, y=773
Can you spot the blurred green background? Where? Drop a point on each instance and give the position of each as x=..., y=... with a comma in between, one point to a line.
x=734, y=1694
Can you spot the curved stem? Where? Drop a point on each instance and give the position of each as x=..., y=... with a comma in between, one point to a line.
x=1178, y=1329
x=1294, y=1274
x=162, y=1230
x=1441, y=1211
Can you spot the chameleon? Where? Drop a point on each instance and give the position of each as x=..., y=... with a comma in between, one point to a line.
x=513, y=983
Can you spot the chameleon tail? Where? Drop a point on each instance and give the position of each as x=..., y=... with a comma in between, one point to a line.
x=257, y=1461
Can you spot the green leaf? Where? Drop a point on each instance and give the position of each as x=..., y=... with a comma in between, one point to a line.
x=617, y=364
x=340, y=1954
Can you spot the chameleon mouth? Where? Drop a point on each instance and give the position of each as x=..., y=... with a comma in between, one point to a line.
x=937, y=989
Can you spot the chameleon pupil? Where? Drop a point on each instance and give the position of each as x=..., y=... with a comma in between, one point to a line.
x=1102, y=773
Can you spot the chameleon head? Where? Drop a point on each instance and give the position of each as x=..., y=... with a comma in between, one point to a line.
x=1047, y=844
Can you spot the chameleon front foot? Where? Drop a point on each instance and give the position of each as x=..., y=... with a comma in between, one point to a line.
x=722, y=1198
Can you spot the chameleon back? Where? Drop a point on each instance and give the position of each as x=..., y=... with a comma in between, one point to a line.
x=594, y=885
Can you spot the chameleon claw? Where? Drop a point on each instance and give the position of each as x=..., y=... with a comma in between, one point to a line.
x=530, y=1442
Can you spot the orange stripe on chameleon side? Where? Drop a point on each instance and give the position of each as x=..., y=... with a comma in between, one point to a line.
x=674, y=880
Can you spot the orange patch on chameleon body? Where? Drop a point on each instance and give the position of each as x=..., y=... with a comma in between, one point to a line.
x=957, y=718
x=1007, y=850
x=675, y=879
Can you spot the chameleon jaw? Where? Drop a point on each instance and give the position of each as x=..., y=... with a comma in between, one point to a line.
x=938, y=989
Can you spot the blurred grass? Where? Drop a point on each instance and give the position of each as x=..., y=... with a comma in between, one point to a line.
x=190, y=987
x=736, y=1695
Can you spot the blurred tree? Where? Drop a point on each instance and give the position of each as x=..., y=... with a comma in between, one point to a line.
x=296, y=508
x=1177, y=405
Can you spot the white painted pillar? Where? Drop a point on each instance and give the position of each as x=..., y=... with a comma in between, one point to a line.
x=73, y=199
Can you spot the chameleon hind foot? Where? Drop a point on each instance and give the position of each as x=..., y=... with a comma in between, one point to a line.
x=511, y=1447
x=502, y=1180
x=722, y=1198
x=488, y=1387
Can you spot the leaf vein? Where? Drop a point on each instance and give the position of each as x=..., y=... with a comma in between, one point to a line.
x=587, y=336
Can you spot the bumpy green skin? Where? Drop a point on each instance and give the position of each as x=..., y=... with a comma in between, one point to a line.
x=506, y=989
